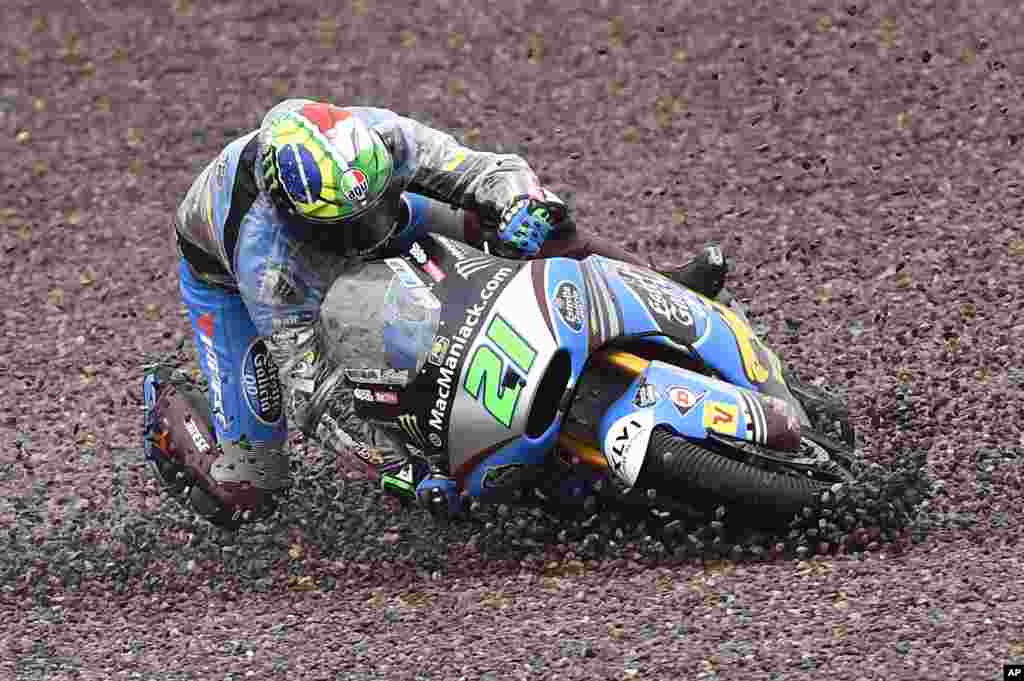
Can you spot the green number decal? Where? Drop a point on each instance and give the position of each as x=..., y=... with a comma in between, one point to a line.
x=487, y=368
x=511, y=343
x=484, y=377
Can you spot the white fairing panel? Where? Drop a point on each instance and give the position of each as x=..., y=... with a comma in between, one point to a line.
x=625, y=445
x=490, y=407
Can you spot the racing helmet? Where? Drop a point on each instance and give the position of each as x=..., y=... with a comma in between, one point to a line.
x=327, y=170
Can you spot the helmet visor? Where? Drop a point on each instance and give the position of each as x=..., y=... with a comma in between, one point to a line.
x=367, y=233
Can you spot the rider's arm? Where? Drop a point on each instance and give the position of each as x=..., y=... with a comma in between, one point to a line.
x=435, y=165
x=429, y=215
x=206, y=219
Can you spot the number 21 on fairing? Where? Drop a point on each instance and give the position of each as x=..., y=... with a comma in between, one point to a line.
x=487, y=370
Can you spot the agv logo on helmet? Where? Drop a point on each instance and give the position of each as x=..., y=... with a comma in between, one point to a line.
x=355, y=180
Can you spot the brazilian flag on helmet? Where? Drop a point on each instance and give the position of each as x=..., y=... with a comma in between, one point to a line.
x=323, y=163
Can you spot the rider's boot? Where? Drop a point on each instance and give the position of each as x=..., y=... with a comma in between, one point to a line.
x=704, y=274
x=156, y=438
x=182, y=450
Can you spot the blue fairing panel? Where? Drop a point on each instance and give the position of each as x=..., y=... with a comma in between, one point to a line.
x=694, y=406
x=568, y=309
x=520, y=452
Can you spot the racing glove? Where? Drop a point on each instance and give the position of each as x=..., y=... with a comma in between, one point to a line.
x=527, y=222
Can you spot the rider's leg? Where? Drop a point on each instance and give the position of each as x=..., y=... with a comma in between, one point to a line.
x=230, y=452
x=705, y=273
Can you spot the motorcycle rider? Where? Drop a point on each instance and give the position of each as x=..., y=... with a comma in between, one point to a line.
x=264, y=231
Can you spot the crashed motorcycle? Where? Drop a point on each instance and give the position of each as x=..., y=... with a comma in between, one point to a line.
x=542, y=375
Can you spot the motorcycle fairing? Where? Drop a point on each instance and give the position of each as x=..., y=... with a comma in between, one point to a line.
x=501, y=324
x=695, y=406
x=564, y=299
x=528, y=455
x=492, y=393
x=649, y=303
x=546, y=306
x=469, y=284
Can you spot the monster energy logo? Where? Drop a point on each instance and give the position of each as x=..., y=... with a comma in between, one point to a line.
x=411, y=425
x=470, y=266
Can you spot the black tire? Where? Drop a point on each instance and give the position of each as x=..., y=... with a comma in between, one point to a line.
x=685, y=470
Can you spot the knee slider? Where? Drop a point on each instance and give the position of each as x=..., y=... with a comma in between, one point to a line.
x=183, y=414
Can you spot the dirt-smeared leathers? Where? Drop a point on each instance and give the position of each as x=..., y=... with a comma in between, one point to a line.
x=859, y=163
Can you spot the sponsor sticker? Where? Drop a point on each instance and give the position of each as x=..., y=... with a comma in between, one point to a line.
x=646, y=395
x=438, y=350
x=418, y=254
x=625, y=444
x=467, y=267
x=683, y=398
x=197, y=437
x=262, y=388
x=448, y=377
x=378, y=376
x=410, y=423
x=569, y=304
x=660, y=295
x=453, y=247
x=291, y=321
x=363, y=395
x=435, y=439
x=206, y=328
x=406, y=274
x=205, y=324
x=721, y=417
x=355, y=180
x=432, y=269
x=385, y=397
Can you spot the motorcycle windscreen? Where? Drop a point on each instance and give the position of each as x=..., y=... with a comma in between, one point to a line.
x=380, y=316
